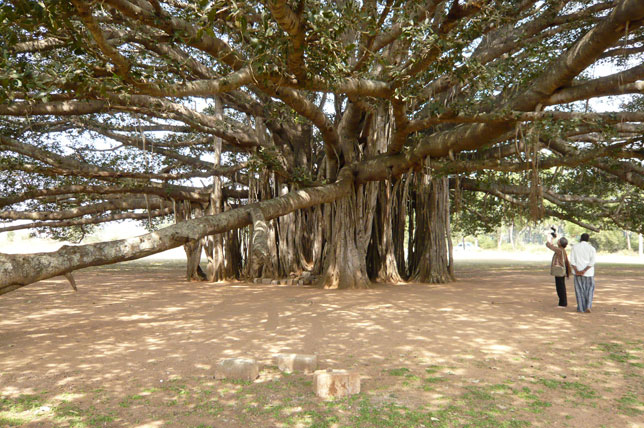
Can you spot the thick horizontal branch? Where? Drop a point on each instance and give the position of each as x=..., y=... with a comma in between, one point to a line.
x=155, y=107
x=519, y=116
x=625, y=82
x=504, y=192
x=159, y=189
x=111, y=205
x=202, y=88
x=222, y=171
x=105, y=218
x=16, y=271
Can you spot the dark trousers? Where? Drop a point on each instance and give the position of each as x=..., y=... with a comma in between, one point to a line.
x=560, y=282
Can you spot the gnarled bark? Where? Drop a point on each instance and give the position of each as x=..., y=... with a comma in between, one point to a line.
x=345, y=265
x=432, y=231
x=382, y=262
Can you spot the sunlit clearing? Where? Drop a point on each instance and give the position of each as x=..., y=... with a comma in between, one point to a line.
x=135, y=317
x=68, y=396
x=499, y=349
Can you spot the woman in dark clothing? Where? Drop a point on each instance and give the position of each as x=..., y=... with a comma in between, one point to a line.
x=559, y=260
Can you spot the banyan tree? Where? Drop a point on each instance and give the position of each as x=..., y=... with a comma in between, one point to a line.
x=336, y=138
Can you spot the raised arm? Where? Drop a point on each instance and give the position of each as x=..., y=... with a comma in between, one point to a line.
x=550, y=245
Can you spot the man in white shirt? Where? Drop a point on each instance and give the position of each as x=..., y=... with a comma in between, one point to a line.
x=582, y=260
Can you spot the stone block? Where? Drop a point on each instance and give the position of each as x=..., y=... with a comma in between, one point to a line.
x=329, y=384
x=266, y=281
x=237, y=368
x=296, y=362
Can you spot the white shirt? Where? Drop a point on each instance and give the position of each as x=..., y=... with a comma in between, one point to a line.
x=582, y=255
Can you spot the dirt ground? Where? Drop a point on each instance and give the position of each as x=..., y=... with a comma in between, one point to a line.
x=136, y=347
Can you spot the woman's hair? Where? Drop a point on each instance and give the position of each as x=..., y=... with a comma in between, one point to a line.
x=563, y=242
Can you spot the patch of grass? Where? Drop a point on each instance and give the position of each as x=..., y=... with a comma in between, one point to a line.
x=71, y=414
x=429, y=382
x=210, y=407
x=628, y=405
x=581, y=390
x=501, y=387
x=238, y=381
x=526, y=394
x=100, y=420
x=475, y=393
x=67, y=410
x=433, y=369
x=312, y=419
x=21, y=403
x=77, y=417
x=398, y=372
x=537, y=406
x=10, y=421
x=387, y=415
x=128, y=401
x=12, y=409
x=434, y=379
x=616, y=352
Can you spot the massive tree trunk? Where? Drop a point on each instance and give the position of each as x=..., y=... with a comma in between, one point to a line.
x=432, y=231
x=349, y=220
x=346, y=253
x=382, y=262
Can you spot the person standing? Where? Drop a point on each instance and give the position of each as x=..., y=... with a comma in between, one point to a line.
x=582, y=260
x=559, y=267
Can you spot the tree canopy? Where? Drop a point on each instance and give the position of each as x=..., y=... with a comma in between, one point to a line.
x=223, y=114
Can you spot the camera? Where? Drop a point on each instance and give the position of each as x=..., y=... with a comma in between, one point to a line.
x=554, y=232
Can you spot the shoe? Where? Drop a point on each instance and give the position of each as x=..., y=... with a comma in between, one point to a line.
x=587, y=311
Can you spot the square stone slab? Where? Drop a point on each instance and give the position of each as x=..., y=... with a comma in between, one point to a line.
x=330, y=384
x=237, y=368
x=296, y=362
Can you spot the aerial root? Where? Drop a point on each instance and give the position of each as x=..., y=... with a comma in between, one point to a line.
x=71, y=280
